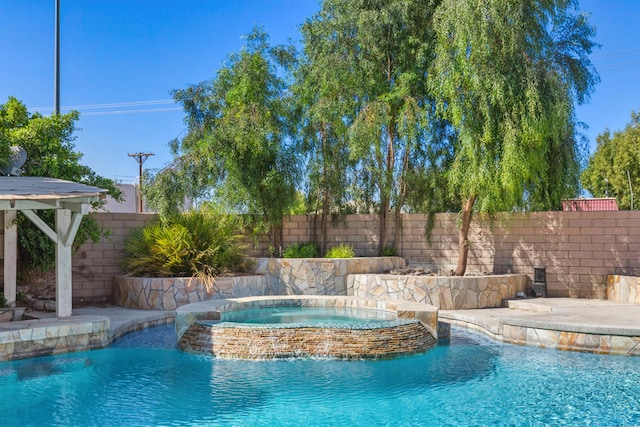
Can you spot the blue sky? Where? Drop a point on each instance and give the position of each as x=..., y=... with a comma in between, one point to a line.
x=121, y=58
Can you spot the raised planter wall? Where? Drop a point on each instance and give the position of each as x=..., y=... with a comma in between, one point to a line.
x=319, y=276
x=625, y=289
x=169, y=293
x=446, y=293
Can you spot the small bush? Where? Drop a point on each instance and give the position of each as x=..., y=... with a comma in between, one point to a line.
x=389, y=251
x=301, y=250
x=200, y=244
x=340, y=251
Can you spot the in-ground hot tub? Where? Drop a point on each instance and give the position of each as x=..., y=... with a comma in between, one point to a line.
x=306, y=326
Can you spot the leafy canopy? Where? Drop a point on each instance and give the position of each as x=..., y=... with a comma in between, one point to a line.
x=48, y=141
x=237, y=150
x=615, y=162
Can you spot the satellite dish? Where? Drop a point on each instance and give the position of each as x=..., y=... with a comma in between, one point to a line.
x=17, y=158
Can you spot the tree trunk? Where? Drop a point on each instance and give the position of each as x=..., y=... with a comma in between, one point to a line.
x=463, y=237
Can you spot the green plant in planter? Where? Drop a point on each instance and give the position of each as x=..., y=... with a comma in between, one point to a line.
x=389, y=251
x=340, y=251
x=301, y=250
x=200, y=244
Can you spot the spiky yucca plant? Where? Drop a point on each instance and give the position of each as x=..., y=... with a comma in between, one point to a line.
x=200, y=244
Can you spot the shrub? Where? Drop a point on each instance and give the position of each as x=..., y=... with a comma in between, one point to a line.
x=340, y=251
x=389, y=251
x=301, y=250
x=200, y=244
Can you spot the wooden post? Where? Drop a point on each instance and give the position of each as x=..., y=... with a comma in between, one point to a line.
x=63, y=264
x=10, y=256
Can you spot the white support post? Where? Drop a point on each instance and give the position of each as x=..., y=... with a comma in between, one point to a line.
x=10, y=256
x=63, y=264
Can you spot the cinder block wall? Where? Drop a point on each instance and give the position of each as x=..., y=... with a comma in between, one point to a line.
x=578, y=249
x=95, y=264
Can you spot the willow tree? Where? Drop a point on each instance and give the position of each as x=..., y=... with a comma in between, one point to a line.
x=614, y=168
x=237, y=151
x=507, y=74
x=376, y=53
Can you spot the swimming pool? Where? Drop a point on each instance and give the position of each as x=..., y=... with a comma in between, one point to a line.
x=142, y=380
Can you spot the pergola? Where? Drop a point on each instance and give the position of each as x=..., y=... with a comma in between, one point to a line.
x=70, y=201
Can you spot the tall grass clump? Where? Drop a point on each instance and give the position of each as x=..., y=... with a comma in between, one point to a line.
x=340, y=251
x=201, y=243
x=301, y=250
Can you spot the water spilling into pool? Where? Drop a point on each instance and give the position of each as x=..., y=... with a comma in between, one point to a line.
x=143, y=380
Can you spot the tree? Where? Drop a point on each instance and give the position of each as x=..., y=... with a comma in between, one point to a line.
x=371, y=57
x=615, y=162
x=48, y=142
x=507, y=74
x=238, y=149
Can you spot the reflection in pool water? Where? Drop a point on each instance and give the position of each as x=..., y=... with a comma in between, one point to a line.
x=143, y=380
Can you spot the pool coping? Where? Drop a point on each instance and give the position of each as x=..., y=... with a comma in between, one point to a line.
x=89, y=328
x=595, y=326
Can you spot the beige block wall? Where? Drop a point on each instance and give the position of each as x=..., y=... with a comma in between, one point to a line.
x=95, y=264
x=578, y=249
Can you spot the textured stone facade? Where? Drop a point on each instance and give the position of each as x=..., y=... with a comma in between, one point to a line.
x=168, y=293
x=319, y=276
x=19, y=340
x=414, y=331
x=624, y=289
x=251, y=342
x=444, y=292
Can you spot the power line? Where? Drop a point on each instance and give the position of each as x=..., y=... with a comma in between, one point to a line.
x=111, y=105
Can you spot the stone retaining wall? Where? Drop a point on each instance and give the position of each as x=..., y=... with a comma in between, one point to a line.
x=168, y=293
x=444, y=292
x=319, y=276
x=623, y=289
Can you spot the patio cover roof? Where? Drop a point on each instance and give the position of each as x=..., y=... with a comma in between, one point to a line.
x=70, y=201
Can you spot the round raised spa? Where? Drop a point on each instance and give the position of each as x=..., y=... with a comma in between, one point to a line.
x=305, y=326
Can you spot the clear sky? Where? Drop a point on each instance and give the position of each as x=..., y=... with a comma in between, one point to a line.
x=120, y=59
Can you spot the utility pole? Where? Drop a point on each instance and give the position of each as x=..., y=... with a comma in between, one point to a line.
x=56, y=65
x=140, y=158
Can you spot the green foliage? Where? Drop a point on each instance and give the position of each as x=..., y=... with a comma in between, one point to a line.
x=301, y=250
x=389, y=251
x=3, y=300
x=340, y=251
x=507, y=76
x=368, y=112
x=194, y=244
x=236, y=152
x=48, y=142
x=615, y=156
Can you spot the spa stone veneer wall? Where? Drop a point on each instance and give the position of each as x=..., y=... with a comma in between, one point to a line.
x=446, y=293
x=198, y=332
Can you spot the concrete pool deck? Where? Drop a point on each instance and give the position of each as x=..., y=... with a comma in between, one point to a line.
x=597, y=326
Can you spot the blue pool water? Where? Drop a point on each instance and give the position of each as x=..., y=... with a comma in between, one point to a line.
x=307, y=315
x=143, y=381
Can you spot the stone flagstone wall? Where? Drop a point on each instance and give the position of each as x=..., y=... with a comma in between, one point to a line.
x=446, y=293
